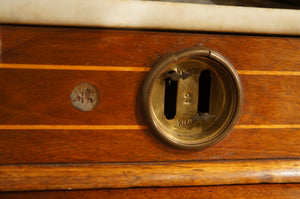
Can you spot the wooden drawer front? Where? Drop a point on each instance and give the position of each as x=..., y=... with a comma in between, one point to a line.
x=41, y=65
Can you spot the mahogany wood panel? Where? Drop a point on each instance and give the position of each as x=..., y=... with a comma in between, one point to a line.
x=43, y=97
x=64, y=146
x=263, y=191
x=85, y=176
x=117, y=140
x=88, y=46
x=39, y=96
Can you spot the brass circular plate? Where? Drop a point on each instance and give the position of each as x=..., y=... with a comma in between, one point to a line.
x=85, y=96
x=192, y=99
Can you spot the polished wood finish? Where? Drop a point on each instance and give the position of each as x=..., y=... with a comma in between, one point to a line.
x=53, y=177
x=80, y=146
x=45, y=143
x=50, y=105
x=274, y=191
x=104, y=47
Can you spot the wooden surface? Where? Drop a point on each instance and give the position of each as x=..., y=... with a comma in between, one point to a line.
x=39, y=67
x=275, y=191
x=63, y=146
x=86, y=176
x=104, y=47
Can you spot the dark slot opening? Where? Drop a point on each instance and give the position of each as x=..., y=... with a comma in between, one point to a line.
x=170, y=97
x=204, y=92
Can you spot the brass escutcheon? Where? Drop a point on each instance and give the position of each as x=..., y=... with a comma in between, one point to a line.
x=192, y=99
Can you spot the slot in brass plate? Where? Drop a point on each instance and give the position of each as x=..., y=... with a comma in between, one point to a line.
x=190, y=127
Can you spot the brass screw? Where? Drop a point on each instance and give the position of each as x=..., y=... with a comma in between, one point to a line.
x=85, y=96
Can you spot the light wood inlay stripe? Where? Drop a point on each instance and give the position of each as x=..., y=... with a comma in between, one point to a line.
x=128, y=127
x=95, y=176
x=75, y=67
x=270, y=126
x=256, y=72
x=72, y=127
x=127, y=69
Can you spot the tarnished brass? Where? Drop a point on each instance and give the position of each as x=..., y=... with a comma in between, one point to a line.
x=85, y=96
x=189, y=127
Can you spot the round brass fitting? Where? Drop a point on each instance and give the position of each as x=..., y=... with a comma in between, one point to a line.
x=192, y=99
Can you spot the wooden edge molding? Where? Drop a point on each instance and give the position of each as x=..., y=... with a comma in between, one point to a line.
x=166, y=174
x=257, y=191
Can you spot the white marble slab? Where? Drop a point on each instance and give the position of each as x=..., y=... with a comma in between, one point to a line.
x=151, y=15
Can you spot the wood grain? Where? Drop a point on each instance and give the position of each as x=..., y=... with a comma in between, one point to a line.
x=54, y=177
x=105, y=144
x=263, y=191
x=88, y=46
x=43, y=97
x=80, y=146
x=111, y=146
